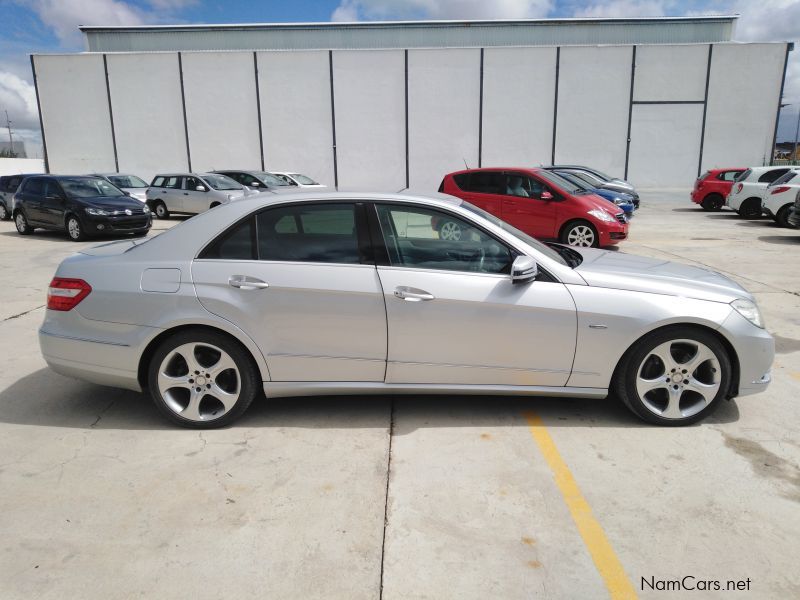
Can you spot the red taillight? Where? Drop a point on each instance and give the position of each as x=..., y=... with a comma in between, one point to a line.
x=781, y=189
x=739, y=188
x=66, y=294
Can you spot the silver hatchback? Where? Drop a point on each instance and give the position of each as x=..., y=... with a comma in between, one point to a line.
x=334, y=293
x=191, y=193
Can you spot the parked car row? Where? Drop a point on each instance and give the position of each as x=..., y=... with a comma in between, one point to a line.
x=751, y=192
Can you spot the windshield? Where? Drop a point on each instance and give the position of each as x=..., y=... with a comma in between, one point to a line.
x=574, y=180
x=546, y=250
x=302, y=179
x=785, y=178
x=88, y=187
x=127, y=181
x=221, y=182
x=562, y=183
x=270, y=179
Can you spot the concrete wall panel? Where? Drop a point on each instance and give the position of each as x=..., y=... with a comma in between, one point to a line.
x=665, y=144
x=296, y=113
x=369, y=92
x=518, y=99
x=444, y=100
x=148, y=115
x=593, y=101
x=670, y=73
x=72, y=93
x=221, y=110
x=742, y=104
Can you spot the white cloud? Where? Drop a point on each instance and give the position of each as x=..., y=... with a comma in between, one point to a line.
x=356, y=10
x=625, y=8
x=64, y=16
x=18, y=97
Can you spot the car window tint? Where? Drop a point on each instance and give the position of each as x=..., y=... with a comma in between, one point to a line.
x=429, y=239
x=323, y=233
x=771, y=176
x=235, y=244
x=34, y=186
x=461, y=180
x=173, y=182
x=786, y=177
x=486, y=182
x=51, y=188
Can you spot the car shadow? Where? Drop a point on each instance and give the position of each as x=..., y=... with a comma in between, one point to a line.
x=696, y=209
x=779, y=239
x=44, y=398
x=61, y=236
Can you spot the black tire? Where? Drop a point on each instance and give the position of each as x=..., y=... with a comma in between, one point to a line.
x=74, y=228
x=249, y=376
x=712, y=202
x=750, y=208
x=160, y=210
x=5, y=214
x=623, y=384
x=213, y=205
x=23, y=228
x=782, y=218
x=564, y=236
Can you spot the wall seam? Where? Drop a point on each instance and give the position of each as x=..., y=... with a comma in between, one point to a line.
x=185, y=121
x=705, y=111
x=789, y=48
x=408, y=172
x=258, y=110
x=480, y=116
x=555, y=107
x=41, y=120
x=333, y=122
x=630, y=111
x=111, y=114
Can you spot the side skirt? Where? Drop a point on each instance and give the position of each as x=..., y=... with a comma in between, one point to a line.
x=282, y=389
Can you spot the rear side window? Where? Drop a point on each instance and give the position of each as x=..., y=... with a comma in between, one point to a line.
x=34, y=186
x=324, y=233
x=13, y=183
x=235, y=244
x=785, y=178
x=728, y=175
x=461, y=180
x=485, y=182
x=771, y=176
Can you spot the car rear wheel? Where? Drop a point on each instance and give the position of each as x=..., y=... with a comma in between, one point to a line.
x=674, y=377
x=712, y=202
x=202, y=379
x=161, y=210
x=750, y=208
x=581, y=234
x=4, y=214
x=75, y=229
x=22, y=224
x=782, y=218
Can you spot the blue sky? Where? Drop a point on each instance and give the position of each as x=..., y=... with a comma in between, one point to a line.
x=51, y=26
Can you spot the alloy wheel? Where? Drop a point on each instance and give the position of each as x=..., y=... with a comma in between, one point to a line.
x=581, y=235
x=74, y=228
x=3, y=212
x=21, y=223
x=678, y=379
x=161, y=211
x=450, y=231
x=199, y=381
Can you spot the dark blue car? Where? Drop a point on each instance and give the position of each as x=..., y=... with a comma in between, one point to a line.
x=624, y=201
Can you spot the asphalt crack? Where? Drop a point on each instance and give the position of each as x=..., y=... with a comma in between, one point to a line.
x=386, y=497
x=23, y=313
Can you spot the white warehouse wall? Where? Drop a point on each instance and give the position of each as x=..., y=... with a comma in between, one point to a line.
x=421, y=111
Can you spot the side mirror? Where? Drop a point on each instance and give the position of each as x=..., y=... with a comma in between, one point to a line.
x=546, y=196
x=524, y=269
x=200, y=188
x=126, y=193
x=255, y=184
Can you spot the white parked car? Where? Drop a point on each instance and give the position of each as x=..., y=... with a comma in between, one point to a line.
x=132, y=185
x=780, y=196
x=297, y=179
x=749, y=187
x=191, y=193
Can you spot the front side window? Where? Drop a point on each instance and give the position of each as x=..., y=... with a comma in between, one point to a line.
x=221, y=182
x=127, y=181
x=271, y=180
x=52, y=189
x=287, y=180
x=173, y=183
x=303, y=179
x=192, y=183
x=324, y=233
x=523, y=186
x=429, y=239
x=89, y=187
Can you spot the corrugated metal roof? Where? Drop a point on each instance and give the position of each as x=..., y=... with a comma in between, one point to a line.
x=411, y=34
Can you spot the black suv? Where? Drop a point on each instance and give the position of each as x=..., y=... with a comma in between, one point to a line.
x=257, y=180
x=81, y=206
x=8, y=187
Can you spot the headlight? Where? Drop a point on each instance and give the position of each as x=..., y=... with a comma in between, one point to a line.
x=146, y=209
x=97, y=212
x=602, y=215
x=749, y=311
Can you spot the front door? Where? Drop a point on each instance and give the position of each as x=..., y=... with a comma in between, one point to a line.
x=306, y=291
x=524, y=208
x=195, y=201
x=172, y=194
x=53, y=204
x=454, y=317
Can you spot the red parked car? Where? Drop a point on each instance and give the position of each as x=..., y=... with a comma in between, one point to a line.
x=712, y=187
x=538, y=202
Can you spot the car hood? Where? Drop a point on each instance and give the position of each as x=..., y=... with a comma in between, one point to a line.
x=595, y=201
x=113, y=202
x=138, y=193
x=617, y=270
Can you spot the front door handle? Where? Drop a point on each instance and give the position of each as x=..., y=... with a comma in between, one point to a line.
x=411, y=294
x=244, y=282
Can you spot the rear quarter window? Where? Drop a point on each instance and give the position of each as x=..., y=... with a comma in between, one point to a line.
x=743, y=175
x=771, y=176
x=158, y=181
x=34, y=186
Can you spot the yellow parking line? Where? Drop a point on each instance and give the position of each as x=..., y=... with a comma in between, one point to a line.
x=608, y=565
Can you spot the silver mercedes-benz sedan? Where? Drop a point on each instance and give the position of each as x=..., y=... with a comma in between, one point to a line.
x=329, y=293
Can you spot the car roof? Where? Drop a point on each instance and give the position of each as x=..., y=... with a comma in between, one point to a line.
x=494, y=169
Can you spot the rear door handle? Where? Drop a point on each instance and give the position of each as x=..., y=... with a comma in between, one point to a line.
x=245, y=282
x=411, y=294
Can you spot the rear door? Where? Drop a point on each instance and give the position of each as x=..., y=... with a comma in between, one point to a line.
x=53, y=203
x=307, y=291
x=195, y=201
x=524, y=208
x=172, y=193
x=484, y=189
x=32, y=195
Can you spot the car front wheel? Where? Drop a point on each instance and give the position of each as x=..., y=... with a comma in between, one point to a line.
x=161, y=210
x=202, y=379
x=675, y=376
x=581, y=234
x=75, y=229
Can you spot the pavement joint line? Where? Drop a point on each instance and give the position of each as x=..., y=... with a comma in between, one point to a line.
x=23, y=313
x=605, y=559
x=386, y=497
